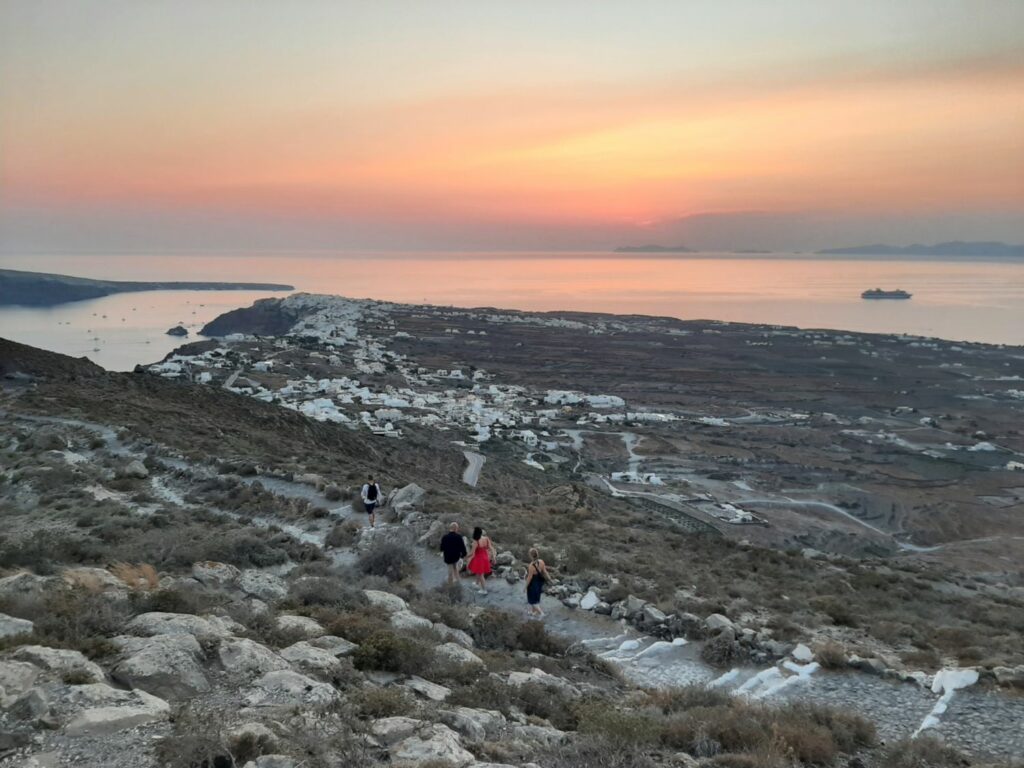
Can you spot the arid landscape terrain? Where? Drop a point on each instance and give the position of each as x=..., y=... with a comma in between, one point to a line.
x=771, y=546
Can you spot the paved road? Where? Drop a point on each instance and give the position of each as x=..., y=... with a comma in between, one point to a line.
x=472, y=472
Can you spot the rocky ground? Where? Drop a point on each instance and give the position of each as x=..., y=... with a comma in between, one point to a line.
x=185, y=581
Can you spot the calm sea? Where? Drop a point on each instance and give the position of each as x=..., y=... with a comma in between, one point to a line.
x=960, y=300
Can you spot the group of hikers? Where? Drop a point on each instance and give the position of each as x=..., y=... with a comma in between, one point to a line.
x=478, y=558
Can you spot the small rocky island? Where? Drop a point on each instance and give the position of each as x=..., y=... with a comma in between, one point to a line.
x=178, y=330
x=38, y=289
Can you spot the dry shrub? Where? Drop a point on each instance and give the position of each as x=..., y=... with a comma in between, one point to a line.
x=356, y=626
x=804, y=742
x=375, y=703
x=722, y=651
x=139, y=577
x=342, y=535
x=391, y=561
x=831, y=655
x=672, y=700
x=922, y=752
x=391, y=652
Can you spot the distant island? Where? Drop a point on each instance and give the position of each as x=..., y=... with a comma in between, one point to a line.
x=954, y=248
x=650, y=248
x=38, y=289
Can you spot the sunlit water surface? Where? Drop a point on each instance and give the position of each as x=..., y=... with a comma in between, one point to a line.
x=960, y=300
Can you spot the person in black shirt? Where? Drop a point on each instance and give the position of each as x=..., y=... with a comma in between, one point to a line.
x=453, y=548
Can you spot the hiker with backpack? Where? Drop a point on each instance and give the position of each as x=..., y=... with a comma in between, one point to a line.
x=371, y=498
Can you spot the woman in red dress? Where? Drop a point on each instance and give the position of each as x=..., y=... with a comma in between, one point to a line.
x=480, y=558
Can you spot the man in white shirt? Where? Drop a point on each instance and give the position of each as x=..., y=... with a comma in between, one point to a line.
x=371, y=498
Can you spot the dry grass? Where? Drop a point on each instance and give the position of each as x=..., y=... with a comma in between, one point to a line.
x=138, y=577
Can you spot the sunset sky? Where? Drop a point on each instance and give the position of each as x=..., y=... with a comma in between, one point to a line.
x=508, y=125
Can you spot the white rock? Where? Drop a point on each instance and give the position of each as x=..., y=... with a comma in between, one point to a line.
x=391, y=729
x=156, y=623
x=136, y=469
x=717, y=621
x=312, y=660
x=214, y=574
x=475, y=724
x=336, y=646
x=590, y=600
x=104, y=720
x=407, y=620
x=264, y=586
x=23, y=585
x=802, y=653
x=427, y=689
x=386, y=601
x=290, y=689
x=455, y=653
x=439, y=744
x=272, y=761
x=60, y=662
x=539, y=676
x=14, y=627
x=16, y=677
x=246, y=658
x=453, y=635
x=300, y=625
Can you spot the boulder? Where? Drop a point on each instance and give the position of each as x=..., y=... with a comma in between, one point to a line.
x=590, y=601
x=717, y=622
x=687, y=625
x=289, y=689
x=16, y=677
x=135, y=469
x=389, y=730
x=201, y=627
x=253, y=733
x=105, y=720
x=407, y=620
x=869, y=666
x=314, y=661
x=1009, y=676
x=336, y=646
x=264, y=586
x=300, y=625
x=634, y=605
x=410, y=496
x=539, y=676
x=14, y=627
x=246, y=658
x=453, y=635
x=23, y=585
x=803, y=654
x=94, y=709
x=539, y=735
x=62, y=663
x=436, y=744
x=456, y=654
x=427, y=689
x=474, y=724
x=652, y=615
x=573, y=600
x=385, y=601
x=602, y=608
x=505, y=558
x=213, y=574
x=167, y=666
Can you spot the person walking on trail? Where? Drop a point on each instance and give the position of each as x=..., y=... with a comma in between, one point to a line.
x=371, y=498
x=536, y=577
x=480, y=555
x=453, y=549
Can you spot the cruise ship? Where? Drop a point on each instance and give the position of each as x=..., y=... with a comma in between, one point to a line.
x=878, y=293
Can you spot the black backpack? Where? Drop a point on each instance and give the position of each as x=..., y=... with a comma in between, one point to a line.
x=371, y=492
